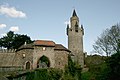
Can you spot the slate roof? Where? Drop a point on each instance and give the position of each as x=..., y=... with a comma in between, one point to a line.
x=27, y=46
x=61, y=47
x=74, y=13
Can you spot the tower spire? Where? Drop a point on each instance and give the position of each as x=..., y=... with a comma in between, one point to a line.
x=74, y=13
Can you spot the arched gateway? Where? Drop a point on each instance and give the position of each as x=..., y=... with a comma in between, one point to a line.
x=43, y=62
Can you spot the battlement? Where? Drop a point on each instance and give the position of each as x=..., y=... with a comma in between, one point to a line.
x=7, y=51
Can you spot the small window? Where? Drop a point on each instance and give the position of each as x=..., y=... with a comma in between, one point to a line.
x=23, y=55
x=76, y=30
x=28, y=65
x=44, y=48
x=59, y=63
x=76, y=27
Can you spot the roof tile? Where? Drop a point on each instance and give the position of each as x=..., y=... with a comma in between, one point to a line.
x=44, y=43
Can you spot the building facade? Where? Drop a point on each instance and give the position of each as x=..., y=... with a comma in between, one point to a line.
x=40, y=54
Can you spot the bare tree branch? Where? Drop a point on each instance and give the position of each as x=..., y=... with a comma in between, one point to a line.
x=108, y=42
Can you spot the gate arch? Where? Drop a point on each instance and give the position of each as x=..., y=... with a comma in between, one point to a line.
x=43, y=62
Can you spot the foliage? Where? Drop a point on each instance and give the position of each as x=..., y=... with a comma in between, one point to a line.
x=78, y=70
x=7, y=41
x=105, y=70
x=41, y=74
x=30, y=76
x=87, y=76
x=72, y=71
x=44, y=74
x=14, y=41
x=20, y=40
x=55, y=74
x=108, y=41
x=96, y=66
x=113, y=64
x=71, y=66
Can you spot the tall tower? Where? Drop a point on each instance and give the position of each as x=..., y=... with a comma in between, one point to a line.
x=75, y=34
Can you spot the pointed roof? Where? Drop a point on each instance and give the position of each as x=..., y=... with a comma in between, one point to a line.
x=74, y=13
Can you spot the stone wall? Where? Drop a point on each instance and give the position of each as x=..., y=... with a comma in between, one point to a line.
x=6, y=59
x=10, y=68
x=22, y=57
x=61, y=59
x=39, y=51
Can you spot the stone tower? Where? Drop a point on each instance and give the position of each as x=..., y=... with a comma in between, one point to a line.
x=75, y=34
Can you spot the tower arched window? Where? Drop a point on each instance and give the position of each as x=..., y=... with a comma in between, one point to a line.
x=76, y=27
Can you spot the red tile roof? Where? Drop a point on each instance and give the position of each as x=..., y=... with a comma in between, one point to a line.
x=44, y=43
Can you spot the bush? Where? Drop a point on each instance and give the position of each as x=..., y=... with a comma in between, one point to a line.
x=72, y=71
x=55, y=74
x=113, y=64
x=44, y=74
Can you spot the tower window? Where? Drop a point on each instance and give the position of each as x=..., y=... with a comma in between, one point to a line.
x=76, y=27
x=76, y=30
x=59, y=63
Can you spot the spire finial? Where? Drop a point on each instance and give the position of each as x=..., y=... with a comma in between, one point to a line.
x=74, y=13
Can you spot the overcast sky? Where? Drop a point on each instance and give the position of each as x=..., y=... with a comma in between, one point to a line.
x=45, y=19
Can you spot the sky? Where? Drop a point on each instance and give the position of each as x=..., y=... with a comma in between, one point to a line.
x=46, y=19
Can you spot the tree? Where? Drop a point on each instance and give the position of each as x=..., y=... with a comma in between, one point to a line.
x=113, y=64
x=108, y=41
x=7, y=41
x=20, y=40
x=14, y=41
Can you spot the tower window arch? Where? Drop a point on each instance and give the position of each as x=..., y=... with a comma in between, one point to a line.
x=76, y=27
